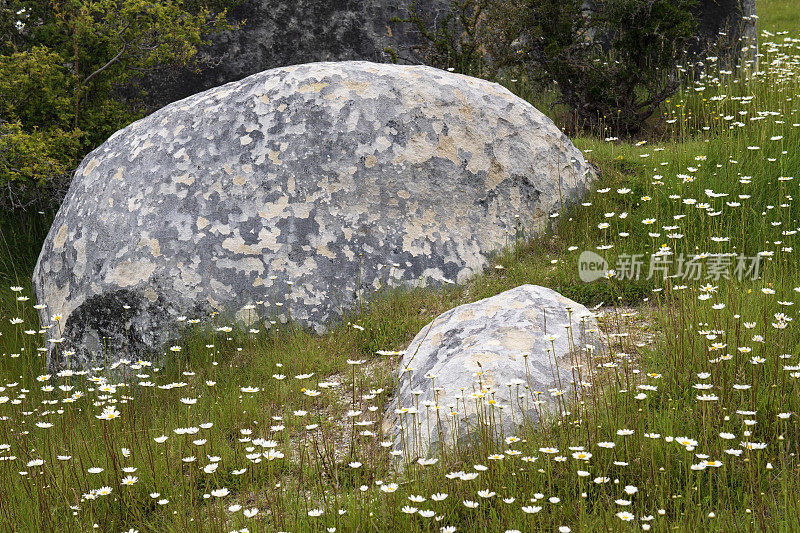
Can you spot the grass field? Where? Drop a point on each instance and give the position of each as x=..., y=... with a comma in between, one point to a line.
x=779, y=15
x=269, y=428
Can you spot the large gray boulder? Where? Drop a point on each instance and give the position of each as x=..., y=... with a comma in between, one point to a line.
x=504, y=360
x=295, y=185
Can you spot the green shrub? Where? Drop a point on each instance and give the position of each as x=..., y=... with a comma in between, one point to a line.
x=38, y=146
x=457, y=44
x=614, y=61
x=35, y=167
x=61, y=64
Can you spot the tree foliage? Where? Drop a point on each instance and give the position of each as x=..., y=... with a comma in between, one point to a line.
x=61, y=67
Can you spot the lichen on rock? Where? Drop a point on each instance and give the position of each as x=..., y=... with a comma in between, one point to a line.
x=490, y=365
x=292, y=185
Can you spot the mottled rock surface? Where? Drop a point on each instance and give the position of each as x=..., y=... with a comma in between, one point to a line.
x=471, y=360
x=309, y=177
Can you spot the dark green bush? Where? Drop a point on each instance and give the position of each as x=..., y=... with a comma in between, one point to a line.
x=612, y=61
x=458, y=42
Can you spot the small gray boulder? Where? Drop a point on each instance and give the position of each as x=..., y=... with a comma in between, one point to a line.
x=503, y=360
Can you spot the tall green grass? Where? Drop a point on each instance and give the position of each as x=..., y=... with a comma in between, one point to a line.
x=778, y=16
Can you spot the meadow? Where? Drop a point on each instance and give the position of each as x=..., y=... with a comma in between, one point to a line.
x=685, y=417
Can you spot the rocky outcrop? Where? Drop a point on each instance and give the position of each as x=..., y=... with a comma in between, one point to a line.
x=296, y=187
x=719, y=32
x=502, y=361
x=277, y=34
